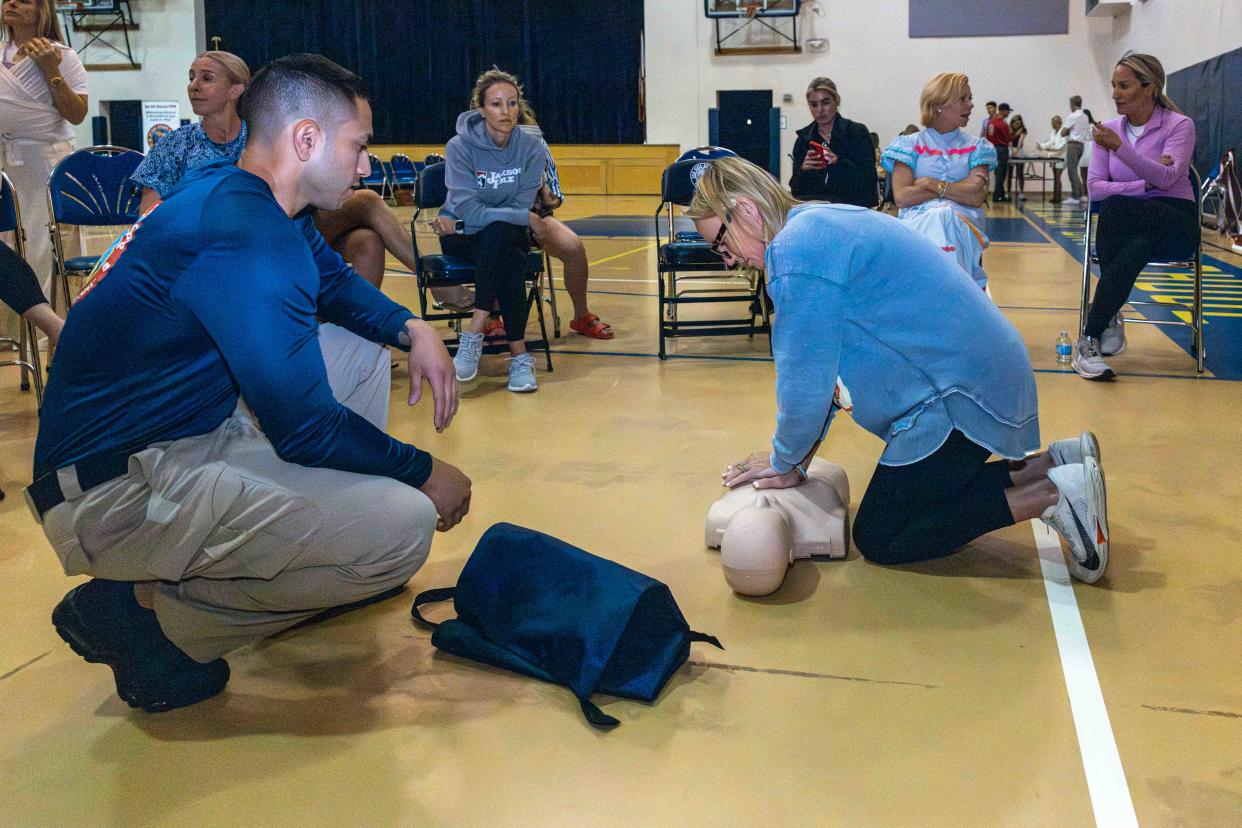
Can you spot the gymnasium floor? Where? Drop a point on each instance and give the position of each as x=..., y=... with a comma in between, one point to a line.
x=856, y=695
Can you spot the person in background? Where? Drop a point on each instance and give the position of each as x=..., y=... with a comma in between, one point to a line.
x=1017, y=141
x=1054, y=148
x=852, y=332
x=991, y=113
x=1148, y=211
x=833, y=157
x=940, y=175
x=1077, y=132
x=42, y=97
x=493, y=173
x=360, y=230
x=999, y=136
x=562, y=243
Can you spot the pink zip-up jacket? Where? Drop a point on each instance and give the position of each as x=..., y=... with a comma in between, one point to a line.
x=1134, y=166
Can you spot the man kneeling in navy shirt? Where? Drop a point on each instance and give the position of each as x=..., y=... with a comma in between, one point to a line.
x=213, y=456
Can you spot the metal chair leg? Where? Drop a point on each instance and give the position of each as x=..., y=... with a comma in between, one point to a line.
x=551, y=298
x=31, y=335
x=1197, y=313
x=536, y=297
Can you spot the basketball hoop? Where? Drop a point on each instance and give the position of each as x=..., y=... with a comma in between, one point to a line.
x=751, y=10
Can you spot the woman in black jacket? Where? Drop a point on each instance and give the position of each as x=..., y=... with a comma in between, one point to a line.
x=833, y=158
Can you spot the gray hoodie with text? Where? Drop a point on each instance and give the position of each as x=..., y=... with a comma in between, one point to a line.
x=487, y=183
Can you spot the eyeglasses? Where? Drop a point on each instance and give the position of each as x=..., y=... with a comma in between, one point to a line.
x=718, y=243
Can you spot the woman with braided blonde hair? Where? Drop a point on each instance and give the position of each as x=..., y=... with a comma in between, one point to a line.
x=871, y=318
x=1139, y=169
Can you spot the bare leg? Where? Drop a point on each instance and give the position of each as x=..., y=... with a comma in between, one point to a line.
x=563, y=244
x=1032, y=499
x=364, y=251
x=365, y=208
x=46, y=320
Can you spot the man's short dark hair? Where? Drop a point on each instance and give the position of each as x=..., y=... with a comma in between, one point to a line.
x=1076, y=100
x=990, y=103
x=300, y=86
x=1004, y=106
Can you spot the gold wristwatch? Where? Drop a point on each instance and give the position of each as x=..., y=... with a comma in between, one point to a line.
x=56, y=81
x=940, y=188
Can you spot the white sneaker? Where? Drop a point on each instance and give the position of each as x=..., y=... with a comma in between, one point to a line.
x=1080, y=517
x=1074, y=449
x=466, y=360
x=522, y=373
x=1113, y=339
x=1088, y=362
x=1021, y=196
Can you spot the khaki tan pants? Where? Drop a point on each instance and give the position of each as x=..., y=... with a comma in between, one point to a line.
x=244, y=543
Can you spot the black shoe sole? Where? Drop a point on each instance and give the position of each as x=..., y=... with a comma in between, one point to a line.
x=198, y=684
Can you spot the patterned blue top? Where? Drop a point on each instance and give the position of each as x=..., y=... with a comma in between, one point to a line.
x=893, y=318
x=180, y=151
x=947, y=156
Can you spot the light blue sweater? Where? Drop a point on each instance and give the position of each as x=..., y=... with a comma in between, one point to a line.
x=921, y=350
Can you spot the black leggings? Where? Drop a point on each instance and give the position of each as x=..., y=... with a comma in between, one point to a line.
x=1132, y=232
x=19, y=288
x=932, y=508
x=498, y=252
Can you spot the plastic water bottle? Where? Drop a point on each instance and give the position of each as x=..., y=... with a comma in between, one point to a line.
x=1065, y=349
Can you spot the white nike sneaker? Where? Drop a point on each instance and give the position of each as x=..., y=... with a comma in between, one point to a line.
x=1080, y=517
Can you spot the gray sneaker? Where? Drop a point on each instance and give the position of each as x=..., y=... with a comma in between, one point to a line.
x=1088, y=362
x=522, y=373
x=466, y=360
x=1074, y=449
x=1080, y=517
x=1113, y=340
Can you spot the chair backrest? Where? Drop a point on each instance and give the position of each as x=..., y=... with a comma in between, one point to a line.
x=92, y=187
x=401, y=163
x=378, y=174
x=679, y=180
x=430, y=190
x=433, y=158
x=708, y=153
x=10, y=210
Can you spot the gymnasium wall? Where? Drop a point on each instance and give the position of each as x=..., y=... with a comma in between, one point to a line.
x=165, y=43
x=880, y=70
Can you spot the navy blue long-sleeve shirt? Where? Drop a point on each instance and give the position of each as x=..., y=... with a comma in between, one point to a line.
x=215, y=292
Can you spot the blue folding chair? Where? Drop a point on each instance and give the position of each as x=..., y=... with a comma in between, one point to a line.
x=1193, y=262
x=27, y=342
x=378, y=180
x=705, y=153
x=89, y=188
x=685, y=252
x=404, y=175
x=440, y=271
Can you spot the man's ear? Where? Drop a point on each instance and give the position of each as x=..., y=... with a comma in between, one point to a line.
x=307, y=136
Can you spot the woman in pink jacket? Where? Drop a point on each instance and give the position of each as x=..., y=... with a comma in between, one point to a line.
x=1139, y=167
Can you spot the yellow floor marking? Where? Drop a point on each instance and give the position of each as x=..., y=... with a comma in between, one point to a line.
x=647, y=246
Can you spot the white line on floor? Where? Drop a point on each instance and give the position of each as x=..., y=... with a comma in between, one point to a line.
x=1106, y=779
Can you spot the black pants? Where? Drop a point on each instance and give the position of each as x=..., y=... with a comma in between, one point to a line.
x=498, y=252
x=1002, y=170
x=19, y=289
x=932, y=508
x=1132, y=232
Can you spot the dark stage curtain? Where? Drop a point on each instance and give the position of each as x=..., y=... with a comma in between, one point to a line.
x=579, y=60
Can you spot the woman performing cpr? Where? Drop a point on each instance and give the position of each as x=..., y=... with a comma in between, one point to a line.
x=873, y=318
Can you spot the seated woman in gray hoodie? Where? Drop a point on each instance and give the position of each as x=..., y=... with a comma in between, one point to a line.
x=493, y=171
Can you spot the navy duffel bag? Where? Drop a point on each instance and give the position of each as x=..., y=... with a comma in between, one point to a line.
x=536, y=605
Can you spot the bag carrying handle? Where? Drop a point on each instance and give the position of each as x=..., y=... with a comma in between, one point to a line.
x=705, y=638
x=431, y=596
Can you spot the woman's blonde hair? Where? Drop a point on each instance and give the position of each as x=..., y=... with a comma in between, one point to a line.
x=48, y=24
x=727, y=179
x=489, y=79
x=825, y=85
x=939, y=91
x=1149, y=73
x=233, y=66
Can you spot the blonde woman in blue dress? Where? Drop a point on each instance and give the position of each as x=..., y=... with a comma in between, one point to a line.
x=940, y=174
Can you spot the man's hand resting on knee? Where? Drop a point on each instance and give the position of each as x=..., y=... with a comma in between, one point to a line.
x=429, y=360
x=449, y=490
